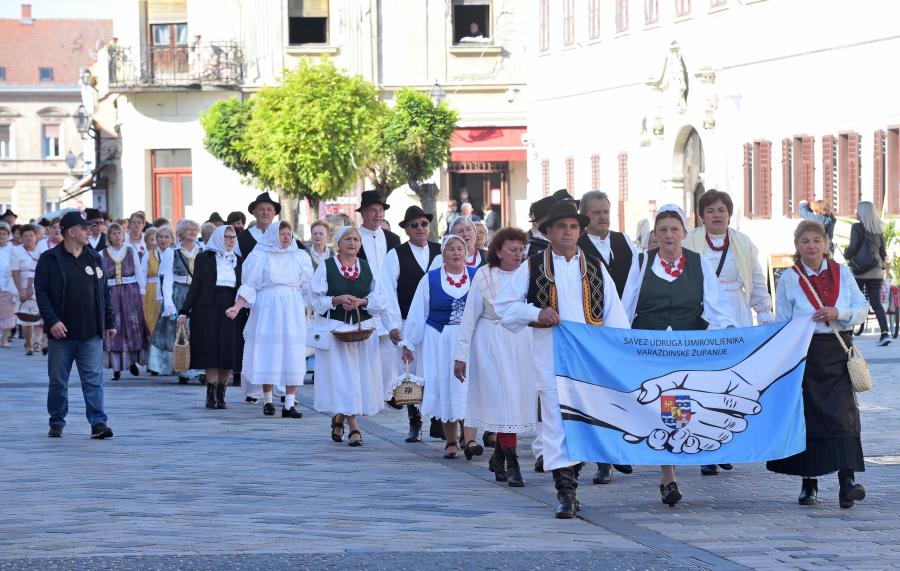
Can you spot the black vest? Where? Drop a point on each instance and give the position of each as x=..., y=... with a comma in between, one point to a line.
x=536, y=245
x=542, y=290
x=390, y=239
x=411, y=273
x=677, y=304
x=620, y=265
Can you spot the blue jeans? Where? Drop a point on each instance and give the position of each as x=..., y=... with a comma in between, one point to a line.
x=88, y=357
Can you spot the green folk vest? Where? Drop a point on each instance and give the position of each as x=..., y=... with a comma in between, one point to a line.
x=677, y=304
x=339, y=285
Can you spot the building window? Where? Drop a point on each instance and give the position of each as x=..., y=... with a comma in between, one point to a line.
x=50, y=198
x=45, y=74
x=893, y=171
x=758, y=179
x=682, y=8
x=623, y=187
x=651, y=12
x=5, y=142
x=568, y=22
x=544, y=25
x=2, y=74
x=621, y=16
x=829, y=171
x=717, y=3
x=803, y=169
x=787, y=199
x=172, y=182
x=471, y=22
x=570, y=175
x=595, y=172
x=545, y=177
x=50, y=142
x=307, y=22
x=849, y=178
x=878, y=178
x=594, y=19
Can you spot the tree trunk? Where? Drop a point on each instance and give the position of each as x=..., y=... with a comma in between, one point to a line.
x=427, y=193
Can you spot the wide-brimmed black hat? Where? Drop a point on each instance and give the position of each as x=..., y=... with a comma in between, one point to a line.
x=563, y=194
x=541, y=208
x=560, y=210
x=9, y=213
x=264, y=197
x=414, y=212
x=370, y=197
x=92, y=214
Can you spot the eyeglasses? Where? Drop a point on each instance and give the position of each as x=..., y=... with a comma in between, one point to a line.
x=227, y=237
x=414, y=225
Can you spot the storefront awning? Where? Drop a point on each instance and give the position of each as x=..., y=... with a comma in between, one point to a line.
x=488, y=144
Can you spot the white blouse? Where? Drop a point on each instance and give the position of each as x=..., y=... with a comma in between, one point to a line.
x=730, y=279
x=225, y=274
x=480, y=305
x=790, y=301
x=6, y=281
x=263, y=269
x=322, y=302
x=416, y=319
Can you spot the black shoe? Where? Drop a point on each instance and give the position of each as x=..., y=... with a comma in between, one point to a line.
x=290, y=413
x=513, y=473
x=539, y=464
x=354, y=443
x=251, y=400
x=210, y=396
x=566, y=483
x=670, y=493
x=393, y=404
x=269, y=409
x=29, y=353
x=497, y=465
x=808, y=492
x=624, y=468
x=415, y=433
x=436, y=430
x=133, y=369
x=471, y=449
x=55, y=431
x=236, y=379
x=450, y=455
x=709, y=470
x=201, y=379
x=220, y=396
x=603, y=474
x=489, y=439
x=182, y=380
x=726, y=466
x=153, y=373
x=117, y=375
x=335, y=425
x=101, y=431
x=850, y=491
x=45, y=350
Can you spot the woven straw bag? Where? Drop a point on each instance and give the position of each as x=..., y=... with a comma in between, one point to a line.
x=181, y=351
x=353, y=336
x=860, y=377
x=409, y=390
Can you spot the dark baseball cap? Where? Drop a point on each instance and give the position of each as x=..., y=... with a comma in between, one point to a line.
x=72, y=219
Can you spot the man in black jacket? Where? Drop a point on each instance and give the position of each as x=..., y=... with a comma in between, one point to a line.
x=74, y=301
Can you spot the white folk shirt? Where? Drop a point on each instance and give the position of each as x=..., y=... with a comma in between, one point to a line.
x=791, y=301
x=515, y=312
x=94, y=241
x=732, y=284
x=604, y=246
x=375, y=245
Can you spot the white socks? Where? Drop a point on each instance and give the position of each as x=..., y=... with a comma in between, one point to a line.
x=289, y=401
x=267, y=398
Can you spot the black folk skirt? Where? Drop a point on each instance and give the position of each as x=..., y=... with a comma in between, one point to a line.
x=215, y=339
x=831, y=411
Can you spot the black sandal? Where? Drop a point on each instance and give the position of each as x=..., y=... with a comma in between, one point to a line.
x=471, y=449
x=354, y=443
x=334, y=425
x=450, y=455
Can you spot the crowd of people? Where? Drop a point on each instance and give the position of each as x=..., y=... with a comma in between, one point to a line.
x=361, y=310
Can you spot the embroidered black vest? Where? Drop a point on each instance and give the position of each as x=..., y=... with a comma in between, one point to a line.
x=542, y=287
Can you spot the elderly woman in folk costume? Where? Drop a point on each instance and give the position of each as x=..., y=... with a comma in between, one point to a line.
x=736, y=262
x=680, y=292
x=501, y=396
x=274, y=278
x=8, y=290
x=122, y=267
x=433, y=321
x=176, y=272
x=215, y=339
x=348, y=374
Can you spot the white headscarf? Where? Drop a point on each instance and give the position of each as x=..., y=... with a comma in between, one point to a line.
x=271, y=242
x=217, y=244
x=450, y=237
x=673, y=208
x=342, y=231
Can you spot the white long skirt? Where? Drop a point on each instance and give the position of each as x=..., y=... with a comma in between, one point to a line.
x=739, y=307
x=501, y=397
x=275, y=340
x=445, y=397
x=390, y=364
x=348, y=376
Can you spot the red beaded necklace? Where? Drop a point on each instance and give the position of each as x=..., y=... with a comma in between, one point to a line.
x=675, y=268
x=715, y=248
x=473, y=262
x=462, y=280
x=351, y=273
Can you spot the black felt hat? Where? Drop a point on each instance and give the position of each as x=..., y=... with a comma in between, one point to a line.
x=264, y=197
x=414, y=212
x=370, y=197
x=541, y=208
x=560, y=210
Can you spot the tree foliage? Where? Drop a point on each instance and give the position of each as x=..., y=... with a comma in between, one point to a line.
x=306, y=135
x=225, y=124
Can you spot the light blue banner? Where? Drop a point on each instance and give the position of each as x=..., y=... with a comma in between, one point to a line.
x=682, y=397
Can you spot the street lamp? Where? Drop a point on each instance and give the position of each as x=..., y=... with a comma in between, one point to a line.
x=437, y=93
x=82, y=121
x=71, y=160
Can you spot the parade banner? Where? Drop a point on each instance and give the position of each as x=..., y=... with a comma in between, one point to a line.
x=682, y=397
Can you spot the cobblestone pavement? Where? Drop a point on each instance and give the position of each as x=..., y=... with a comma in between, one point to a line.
x=183, y=487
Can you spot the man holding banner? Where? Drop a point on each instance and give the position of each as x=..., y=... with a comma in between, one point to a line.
x=559, y=284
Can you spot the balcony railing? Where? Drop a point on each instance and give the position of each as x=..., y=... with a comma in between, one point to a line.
x=216, y=64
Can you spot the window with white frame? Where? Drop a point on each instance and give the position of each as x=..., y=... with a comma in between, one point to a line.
x=5, y=142
x=50, y=198
x=50, y=141
x=45, y=74
x=307, y=22
x=472, y=22
x=651, y=12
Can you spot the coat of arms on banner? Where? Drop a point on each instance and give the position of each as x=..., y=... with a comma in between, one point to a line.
x=676, y=410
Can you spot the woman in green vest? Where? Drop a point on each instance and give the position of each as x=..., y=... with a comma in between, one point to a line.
x=680, y=292
x=348, y=374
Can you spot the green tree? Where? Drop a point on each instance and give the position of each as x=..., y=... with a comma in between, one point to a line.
x=306, y=135
x=225, y=124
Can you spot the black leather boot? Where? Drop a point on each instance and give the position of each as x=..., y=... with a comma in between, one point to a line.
x=566, y=484
x=809, y=491
x=220, y=395
x=210, y=396
x=850, y=491
x=437, y=429
x=513, y=473
x=709, y=470
x=670, y=493
x=415, y=424
x=497, y=465
x=603, y=475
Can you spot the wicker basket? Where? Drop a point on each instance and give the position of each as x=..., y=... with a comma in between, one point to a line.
x=356, y=336
x=181, y=351
x=408, y=392
x=539, y=325
x=28, y=311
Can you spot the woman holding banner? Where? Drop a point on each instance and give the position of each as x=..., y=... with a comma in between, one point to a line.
x=736, y=261
x=680, y=292
x=820, y=287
